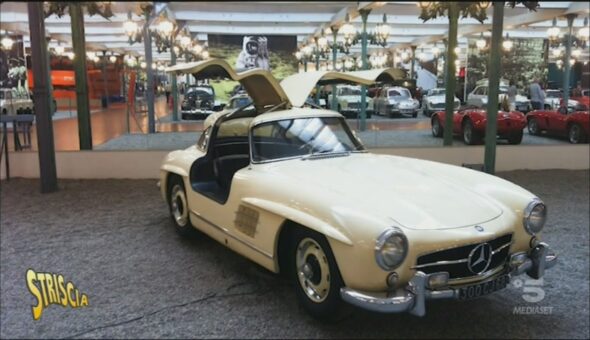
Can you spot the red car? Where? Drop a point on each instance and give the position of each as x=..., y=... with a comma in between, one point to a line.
x=471, y=124
x=574, y=125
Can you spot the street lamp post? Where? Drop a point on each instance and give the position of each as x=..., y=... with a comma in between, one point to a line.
x=45, y=143
x=568, y=55
x=82, y=103
x=363, y=114
x=450, y=78
x=105, y=103
x=334, y=104
x=493, y=88
x=317, y=68
x=174, y=86
x=412, y=65
x=147, y=40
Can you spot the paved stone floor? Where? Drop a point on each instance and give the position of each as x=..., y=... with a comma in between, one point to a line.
x=113, y=239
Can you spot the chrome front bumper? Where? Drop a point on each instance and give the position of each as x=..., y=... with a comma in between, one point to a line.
x=412, y=298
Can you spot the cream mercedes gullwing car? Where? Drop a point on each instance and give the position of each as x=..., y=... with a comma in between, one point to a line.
x=291, y=187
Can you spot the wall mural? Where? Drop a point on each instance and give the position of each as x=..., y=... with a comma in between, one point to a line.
x=275, y=53
x=526, y=61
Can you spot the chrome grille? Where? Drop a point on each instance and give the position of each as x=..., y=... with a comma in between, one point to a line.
x=454, y=260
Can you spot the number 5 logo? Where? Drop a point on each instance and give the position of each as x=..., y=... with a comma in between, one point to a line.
x=533, y=291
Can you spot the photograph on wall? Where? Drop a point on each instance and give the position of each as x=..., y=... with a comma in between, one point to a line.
x=275, y=53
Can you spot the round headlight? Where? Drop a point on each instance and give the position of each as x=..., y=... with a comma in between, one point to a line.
x=391, y=248
x=534, y=218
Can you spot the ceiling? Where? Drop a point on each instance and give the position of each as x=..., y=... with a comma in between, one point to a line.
x=301, y=19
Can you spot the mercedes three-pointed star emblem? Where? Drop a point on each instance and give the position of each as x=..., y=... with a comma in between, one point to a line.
x=480, y=258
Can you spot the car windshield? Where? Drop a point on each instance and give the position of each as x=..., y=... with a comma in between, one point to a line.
x=200, y=91
x=310, y=137
x=399, y=93
x=239, y=102
x=350, y=91
x=437, y=92
x=553, y=94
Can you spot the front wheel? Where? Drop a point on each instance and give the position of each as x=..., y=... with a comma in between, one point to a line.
x=316, y=276
x=178, y=205
x=515, y=138
x=576, y=134
x=437, y=129
x=533, y=126
x=470, y=136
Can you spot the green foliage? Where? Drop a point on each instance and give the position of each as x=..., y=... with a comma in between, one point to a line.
x=467, y=9
x=522, y=64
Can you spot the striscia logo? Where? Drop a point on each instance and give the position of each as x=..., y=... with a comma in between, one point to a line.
x=52, y=289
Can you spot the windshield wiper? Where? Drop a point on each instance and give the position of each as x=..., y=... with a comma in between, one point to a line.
x=326, y=154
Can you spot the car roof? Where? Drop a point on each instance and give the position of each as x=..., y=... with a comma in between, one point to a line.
x=293, y=113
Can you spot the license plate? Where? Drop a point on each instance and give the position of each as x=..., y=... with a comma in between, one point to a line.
x=484, y=288
x=522, y=108
x=406, y=111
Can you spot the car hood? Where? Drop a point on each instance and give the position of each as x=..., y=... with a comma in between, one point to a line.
x=439, y=99
x=350, y=98
x=394, y=188
x=570, y=102
x=401, y=100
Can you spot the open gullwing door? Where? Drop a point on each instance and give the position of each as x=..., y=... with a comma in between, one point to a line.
x=260, y=84
x=299, y=86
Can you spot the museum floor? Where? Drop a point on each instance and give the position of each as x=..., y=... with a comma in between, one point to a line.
x=114, y=240
x=109, y=131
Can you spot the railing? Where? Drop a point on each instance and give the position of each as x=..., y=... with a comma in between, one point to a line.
x=18, y=121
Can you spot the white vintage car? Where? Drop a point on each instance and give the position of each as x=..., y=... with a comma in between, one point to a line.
x=349, y=101
x=553, y=99
x=434, y=100
x=395, y=100
x=479, y=98
x=293, y=189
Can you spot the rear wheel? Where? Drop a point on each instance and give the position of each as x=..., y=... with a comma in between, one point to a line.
x=533, y=126
x=576, y=134
x=470, y=136
x=515, y=138
x=316, y=276
x=437, y=129
x=178, y=204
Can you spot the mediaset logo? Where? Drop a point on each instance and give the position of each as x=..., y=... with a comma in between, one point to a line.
x=50, y=289
x=533, y=292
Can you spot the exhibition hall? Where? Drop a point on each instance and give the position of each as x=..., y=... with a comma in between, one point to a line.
x=295, y=169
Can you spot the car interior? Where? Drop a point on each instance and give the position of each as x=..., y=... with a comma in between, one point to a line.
x=227, y=152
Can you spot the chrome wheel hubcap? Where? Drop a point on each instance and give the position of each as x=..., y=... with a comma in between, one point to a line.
x=313, y=271
x=178, y=206
x=467, y=134
x=533, y=127
x=574, y=134
x=435, y=128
